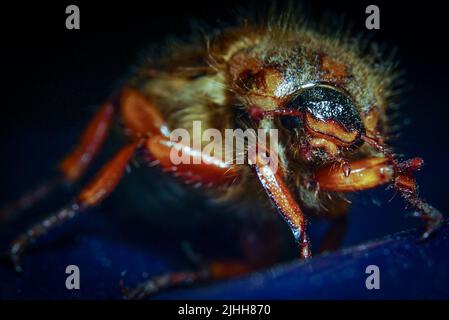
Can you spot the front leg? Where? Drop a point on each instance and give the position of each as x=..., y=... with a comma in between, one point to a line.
x=372, y=172
x=405, y=184
x=284, y=202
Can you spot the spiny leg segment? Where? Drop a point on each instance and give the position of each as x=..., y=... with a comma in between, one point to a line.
x=98, y=189
x=72, y=167
x=372, y=172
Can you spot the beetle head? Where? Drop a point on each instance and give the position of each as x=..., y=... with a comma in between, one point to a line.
x=326, y=117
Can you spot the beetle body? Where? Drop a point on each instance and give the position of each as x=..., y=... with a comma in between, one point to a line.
x=221, y=79
x=326, y=97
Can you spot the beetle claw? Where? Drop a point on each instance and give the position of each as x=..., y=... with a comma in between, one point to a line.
x=346, y=169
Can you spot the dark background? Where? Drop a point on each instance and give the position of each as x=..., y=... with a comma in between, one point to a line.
x=52, y=78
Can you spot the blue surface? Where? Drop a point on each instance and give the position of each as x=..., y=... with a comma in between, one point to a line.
x=409, y=270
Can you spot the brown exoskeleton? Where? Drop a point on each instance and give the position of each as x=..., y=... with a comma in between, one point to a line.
x=325, y=96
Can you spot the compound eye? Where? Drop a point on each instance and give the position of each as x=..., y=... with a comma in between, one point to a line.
x=329, y=112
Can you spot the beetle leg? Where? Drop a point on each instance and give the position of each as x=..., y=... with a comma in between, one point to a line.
x=29, y=198
x=216, y=270
x=365, y=174
x=140, y=116
x=372, y=172
x=98, y=189
x=196, y=167
x=73, y=165
x=405, y=184
x=286, y=205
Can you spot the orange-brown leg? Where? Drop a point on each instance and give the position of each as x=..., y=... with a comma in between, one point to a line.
x=140, y=116
x=286, y=205
x=72, y=166
x=98, y=189
x=216, y=270
x=209, y=171
x=372, y=172
x=75, y=164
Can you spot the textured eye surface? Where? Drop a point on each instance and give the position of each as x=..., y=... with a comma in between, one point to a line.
x=327, y=103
